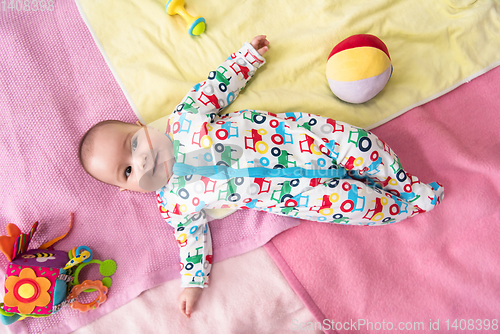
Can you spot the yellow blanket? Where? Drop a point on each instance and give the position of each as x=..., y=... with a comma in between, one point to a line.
x=435, y=45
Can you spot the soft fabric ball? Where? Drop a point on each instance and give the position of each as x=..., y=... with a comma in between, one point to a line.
x=358, y=68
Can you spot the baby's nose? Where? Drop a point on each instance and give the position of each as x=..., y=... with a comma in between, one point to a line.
x=143, y=161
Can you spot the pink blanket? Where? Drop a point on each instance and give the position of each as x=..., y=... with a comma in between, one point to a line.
x=258, y=301
x=440, y=266
x=439, y=270
x=54, y=86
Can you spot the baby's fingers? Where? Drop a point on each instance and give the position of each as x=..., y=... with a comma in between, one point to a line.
x=258, y=38
x=189, y=307
x=182, y=307
x=260, y=44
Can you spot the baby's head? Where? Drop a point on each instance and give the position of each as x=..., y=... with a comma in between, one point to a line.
x=129, y=156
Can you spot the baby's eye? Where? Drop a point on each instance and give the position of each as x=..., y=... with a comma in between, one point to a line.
x=134, y=143
x=128, y=170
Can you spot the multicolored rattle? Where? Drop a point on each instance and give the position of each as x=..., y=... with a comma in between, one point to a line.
x=196, y=25
x=81, y=257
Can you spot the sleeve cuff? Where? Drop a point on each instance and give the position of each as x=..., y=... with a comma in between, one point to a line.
x=251, y=55
x=199, y=282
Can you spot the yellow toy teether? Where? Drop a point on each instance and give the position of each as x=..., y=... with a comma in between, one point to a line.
x=196, y=25
x=82, y=254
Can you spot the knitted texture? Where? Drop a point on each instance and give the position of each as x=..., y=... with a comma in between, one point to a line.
x=54, y=85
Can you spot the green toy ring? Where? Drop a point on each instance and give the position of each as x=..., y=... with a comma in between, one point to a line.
x=106, y=268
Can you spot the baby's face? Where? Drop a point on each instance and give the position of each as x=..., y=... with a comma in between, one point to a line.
x=132, y=157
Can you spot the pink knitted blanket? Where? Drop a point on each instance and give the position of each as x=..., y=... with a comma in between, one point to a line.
x=55, y=84
x=437, y=272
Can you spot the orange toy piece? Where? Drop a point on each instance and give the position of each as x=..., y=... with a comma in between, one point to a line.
x=7, y=241
x=53, y=241
x=88, y=284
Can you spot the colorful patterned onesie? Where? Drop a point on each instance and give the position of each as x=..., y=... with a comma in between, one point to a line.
x=293, y=164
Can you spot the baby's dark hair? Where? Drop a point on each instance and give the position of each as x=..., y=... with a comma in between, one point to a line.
x=85, y=147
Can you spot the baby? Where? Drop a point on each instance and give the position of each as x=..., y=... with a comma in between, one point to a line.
x=294, y=164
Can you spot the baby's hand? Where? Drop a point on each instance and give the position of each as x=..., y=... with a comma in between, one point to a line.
x=187, y=299
x=260, y=43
